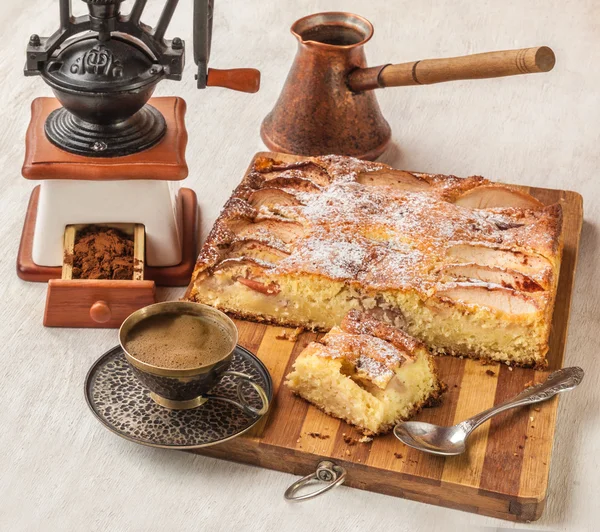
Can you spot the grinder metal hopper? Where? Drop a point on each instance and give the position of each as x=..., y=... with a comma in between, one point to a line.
x=103, y=68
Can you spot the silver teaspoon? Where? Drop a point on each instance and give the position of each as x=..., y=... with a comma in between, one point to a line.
x=450, y=441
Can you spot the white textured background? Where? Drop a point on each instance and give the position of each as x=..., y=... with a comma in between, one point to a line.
x=61, y=470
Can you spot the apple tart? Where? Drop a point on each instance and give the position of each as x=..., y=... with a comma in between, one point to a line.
x=467, y=266
x=366, y=372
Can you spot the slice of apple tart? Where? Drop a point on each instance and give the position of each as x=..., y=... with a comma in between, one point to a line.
x=366, y=372
x=467, y=266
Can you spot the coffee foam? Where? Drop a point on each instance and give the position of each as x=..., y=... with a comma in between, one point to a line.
x=178, y=341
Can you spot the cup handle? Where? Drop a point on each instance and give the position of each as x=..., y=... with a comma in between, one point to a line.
x=243, y=404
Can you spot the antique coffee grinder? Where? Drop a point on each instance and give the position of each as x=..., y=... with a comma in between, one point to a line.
x=108, y=154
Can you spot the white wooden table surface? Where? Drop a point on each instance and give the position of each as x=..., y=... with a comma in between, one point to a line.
x=61, y=470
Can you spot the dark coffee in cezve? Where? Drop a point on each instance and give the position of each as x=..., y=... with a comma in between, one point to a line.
x=178, y=341
x=333, y=34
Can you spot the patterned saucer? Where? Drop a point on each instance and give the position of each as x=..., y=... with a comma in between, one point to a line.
x=123, y=405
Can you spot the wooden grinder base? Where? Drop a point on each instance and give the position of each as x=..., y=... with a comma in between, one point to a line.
x=178, y=275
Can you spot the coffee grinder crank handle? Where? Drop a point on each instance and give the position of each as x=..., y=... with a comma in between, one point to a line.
x=239, y=79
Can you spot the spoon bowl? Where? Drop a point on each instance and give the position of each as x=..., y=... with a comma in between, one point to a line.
x=445, y=441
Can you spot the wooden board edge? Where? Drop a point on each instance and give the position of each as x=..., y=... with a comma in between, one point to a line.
x=139, y=251
x=68, y=249
x=251, y=451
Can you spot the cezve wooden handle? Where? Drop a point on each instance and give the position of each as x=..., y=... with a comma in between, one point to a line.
x=238, y=79
x=477, y=66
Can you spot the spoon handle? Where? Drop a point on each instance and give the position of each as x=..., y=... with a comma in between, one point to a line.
x=557, y=382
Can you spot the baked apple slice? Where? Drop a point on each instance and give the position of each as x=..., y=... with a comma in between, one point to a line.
x=272, y=197
x=497, y=196
x=308, y=171
x=250, y=272
x=256, y=249
x=300, y=184
x=529, y=264
x=493, y=297
x=507, y=278
x=272, y=230
x=397, y=179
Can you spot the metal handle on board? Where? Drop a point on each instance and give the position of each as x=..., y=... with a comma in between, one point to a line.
x=331, y=474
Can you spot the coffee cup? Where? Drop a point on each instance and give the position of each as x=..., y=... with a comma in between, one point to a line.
x=189, y=387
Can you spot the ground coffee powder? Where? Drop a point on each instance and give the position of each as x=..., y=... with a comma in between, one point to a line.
x=102, y=253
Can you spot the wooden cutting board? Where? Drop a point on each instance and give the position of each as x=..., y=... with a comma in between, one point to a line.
x=503, y=474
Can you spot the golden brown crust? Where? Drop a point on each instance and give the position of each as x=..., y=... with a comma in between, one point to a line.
x=538, y=364
x=266, y=320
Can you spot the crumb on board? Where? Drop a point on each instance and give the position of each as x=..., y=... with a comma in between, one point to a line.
x=347, y=452
x=521, y=447
x=490, y=372
x=529, y=384
x=292, y=336
x=398, y=456
x=349, y=440
x=318, y=435
x=366, y=439
x=537, y=409
x=510, y=368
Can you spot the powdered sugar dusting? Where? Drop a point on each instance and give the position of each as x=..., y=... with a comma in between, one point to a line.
x=378, y=234
x=373, y=359
x=324, y=254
